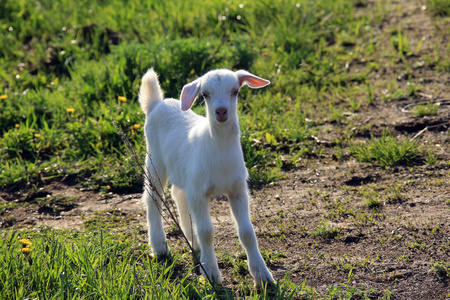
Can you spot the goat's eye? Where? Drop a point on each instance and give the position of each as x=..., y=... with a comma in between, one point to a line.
x=205, y=95
x=234, y=93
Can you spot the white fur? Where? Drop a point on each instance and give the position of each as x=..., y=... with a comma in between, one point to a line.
x=202, y=158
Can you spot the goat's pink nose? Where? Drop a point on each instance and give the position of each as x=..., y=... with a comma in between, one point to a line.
x=221, y=114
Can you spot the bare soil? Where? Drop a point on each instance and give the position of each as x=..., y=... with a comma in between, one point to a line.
x=390, y=248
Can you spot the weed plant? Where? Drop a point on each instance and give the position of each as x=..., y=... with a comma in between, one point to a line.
x=326, y=231
x=428, y=109
x=387, y=151
x=439, y=7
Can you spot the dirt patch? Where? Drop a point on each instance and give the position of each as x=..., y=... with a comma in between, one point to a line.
x=34, y=209
x=372, y=243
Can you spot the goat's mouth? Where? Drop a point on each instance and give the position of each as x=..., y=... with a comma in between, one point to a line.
x=221, y=119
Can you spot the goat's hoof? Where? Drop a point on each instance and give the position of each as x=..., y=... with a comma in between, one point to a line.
x=204, y=280
x=213, y=274
x=269, y=286
x=162, y=257
x=262, y=278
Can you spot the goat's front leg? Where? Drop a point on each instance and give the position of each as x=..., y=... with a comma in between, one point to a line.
x=240, y=207
x=185, y=219
x=200, y=209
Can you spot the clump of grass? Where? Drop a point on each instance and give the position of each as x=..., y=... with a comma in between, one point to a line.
x=400, y=42
x=387, y=150
x=373, y=202
x=431, y=159
x=413, y=89
x=442, y=269
x=355, y=105
x=370, y=93
x=326, y=231
x=396, y=193
x=403, y=258
x=272, y=258
x=257, y=159
x=7, y=206
x=428, y=109
x=439, y=7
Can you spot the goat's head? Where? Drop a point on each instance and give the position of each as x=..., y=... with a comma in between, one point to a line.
x=220, y=89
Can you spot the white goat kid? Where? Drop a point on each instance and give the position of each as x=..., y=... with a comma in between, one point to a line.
x=202, y=158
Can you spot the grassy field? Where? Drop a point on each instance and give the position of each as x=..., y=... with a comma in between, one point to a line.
x=359, y=88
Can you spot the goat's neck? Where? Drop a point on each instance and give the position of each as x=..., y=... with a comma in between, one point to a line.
x=225, y=133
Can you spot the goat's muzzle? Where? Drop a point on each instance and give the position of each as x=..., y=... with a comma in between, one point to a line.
x=221, y=114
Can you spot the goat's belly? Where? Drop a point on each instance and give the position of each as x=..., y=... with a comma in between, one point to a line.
x=223, y=183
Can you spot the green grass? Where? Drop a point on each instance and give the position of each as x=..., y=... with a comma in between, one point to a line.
x=88, y=265
x=439, y=7
x=373, y=202
x=324, y=230
x=387, y=151
x=428, y=109
x=94, y=264
x=442, y=269
x=6, y=206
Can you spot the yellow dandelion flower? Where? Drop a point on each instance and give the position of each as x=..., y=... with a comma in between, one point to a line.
x=17, y=125
x=25, y=242
x=70, y=110
x=37, y=135
x=192, y=72
x=108, y=187
x=3, y=97
x=21, y=138
x=26, y=250
x=202, y=280
x=122, y=99
x=136, y=126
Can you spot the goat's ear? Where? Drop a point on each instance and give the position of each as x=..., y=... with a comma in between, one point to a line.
x=253, y=81
x=189, y=94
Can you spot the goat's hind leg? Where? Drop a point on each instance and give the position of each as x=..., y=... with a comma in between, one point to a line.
x=199, y=208
x=155, y=180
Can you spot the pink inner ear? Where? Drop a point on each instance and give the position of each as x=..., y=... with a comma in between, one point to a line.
x=253, y=82
x=188, y=94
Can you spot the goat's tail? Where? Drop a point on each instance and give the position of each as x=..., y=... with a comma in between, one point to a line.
x=150, y=92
